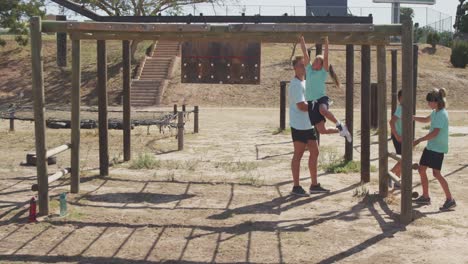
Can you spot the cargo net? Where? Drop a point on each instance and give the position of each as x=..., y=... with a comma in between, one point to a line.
x=60, y=117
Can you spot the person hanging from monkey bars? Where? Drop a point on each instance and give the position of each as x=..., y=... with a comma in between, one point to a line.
x=316, y=96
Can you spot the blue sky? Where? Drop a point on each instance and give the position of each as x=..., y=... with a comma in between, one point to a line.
x=381, y=11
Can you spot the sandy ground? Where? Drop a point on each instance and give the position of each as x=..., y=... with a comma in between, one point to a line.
x=224, y=198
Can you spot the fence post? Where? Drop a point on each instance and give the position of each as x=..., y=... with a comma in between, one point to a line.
x=349, y=99
x=61, y=45
x=180, y=130
x=175, y=109
x=407, y=122
x=183, y=108
x=394, y=80
x=374, y=105
x=102, y=108
x=365, y=112
x=75, y=120
x=282, y=105
x=382, y=120
x=12, y=120
x=39, y=115
x=127, y=122
x=415, y=81
x=195, y=119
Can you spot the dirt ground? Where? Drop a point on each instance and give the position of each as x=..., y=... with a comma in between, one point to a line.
x=224, y=198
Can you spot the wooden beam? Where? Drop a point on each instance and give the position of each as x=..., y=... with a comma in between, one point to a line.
x=102, y=102
x=39, y=114
x=349, y=99
x=365, y=112
x=59, y=174
x=75, y=116
x=58, y=26
x=407, y=122
x=127, y=123
x=271, y=37
x=299, y=28
x=382, y=119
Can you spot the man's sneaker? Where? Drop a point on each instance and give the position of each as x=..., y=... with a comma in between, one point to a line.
x=344, y=132
x=449, y=204
x=299, y=191
x=422, y=200
x=318, y=189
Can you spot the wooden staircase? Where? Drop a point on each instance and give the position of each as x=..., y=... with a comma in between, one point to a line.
x=148, y=88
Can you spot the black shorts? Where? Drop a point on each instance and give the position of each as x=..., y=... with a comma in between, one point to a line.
x=432, y=159
x=397, y=145
x=314, y=110
x=303, y=135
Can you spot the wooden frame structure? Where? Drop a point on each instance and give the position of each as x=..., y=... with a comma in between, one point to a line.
x=366, y=35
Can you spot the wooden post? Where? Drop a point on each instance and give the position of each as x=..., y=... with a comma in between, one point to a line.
x=282, y=105
x=175, y=109
x=365, y=112
x=407, y=121
x=180, y=130
x=382, y=113
x=318, y=49
x=394, y=81
x=75, y=116
x=61, y=45
x=349, y=99
x=12, y=120
x=373, y=106
x=102, y=101
x=39, y=115
x=195, y=119
x=127, y=123
x=183, y=108
x=415, y=82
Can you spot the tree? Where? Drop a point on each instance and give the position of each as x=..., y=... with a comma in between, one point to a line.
x=406, y=13
x=14, y=16
x=139, y=8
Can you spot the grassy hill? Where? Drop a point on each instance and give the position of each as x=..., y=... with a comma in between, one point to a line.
x=15, y=72
x=435, y=70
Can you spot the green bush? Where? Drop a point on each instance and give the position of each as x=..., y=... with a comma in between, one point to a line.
x=459, y=56
x=446, y=38
x=433, y=38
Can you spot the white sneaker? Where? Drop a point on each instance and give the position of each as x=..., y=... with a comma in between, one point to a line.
x=344, y=132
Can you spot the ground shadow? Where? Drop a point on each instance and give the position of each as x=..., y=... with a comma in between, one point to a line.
x=133, y=197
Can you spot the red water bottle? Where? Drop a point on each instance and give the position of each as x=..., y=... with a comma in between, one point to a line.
x=32, y=210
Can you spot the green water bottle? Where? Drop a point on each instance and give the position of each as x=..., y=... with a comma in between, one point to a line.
x=63, y=204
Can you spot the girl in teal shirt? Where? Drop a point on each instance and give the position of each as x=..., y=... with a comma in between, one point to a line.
x=437, y=146
x=316, y=96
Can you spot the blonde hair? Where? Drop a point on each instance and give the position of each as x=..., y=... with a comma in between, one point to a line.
x=439, y=96
x=320, y=57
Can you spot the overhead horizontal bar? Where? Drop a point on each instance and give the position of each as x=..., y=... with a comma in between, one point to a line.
x=240, y=19
x=63, y=26
x=279, y=37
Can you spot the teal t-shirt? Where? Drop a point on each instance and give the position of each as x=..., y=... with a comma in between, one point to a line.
x=315, y=83
x=297, y=119
x=439, y=119
x=398, y=122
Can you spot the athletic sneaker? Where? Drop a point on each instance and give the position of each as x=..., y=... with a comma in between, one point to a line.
x=344, y=132
x=299, y=191
x=449, y=204
x=318, y=189
x=422, y=200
